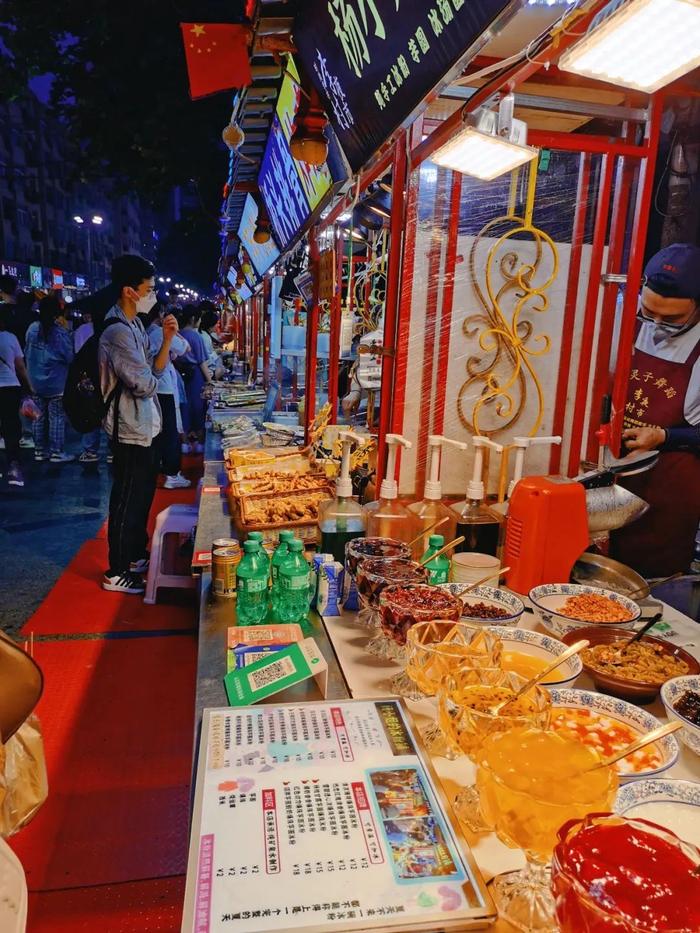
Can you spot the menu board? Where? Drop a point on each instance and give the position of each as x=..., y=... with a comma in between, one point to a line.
x=322, y=816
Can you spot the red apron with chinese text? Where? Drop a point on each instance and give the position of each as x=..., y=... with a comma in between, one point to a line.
x=662, y=541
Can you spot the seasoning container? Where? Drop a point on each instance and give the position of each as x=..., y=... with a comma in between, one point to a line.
x=224, y=561
x=479, y=524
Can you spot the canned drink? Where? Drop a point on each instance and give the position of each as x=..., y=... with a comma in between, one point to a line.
x=224, y=561
x=224, y=542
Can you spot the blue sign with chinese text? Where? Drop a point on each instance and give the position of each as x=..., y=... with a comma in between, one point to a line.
x=281, y=188
x=374, y=61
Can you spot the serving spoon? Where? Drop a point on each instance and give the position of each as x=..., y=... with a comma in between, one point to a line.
x=560, y=658
x=641, y=742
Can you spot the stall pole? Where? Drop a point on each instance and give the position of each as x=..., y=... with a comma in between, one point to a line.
x=589, y=319
x=393, y=275
x=254, y=336
x=601, y=379
x=575, y=142
x=266, y=331
x=406, y=298
x=311, y=340
x=567, y=332
x=447, y=302
x=513, y=76
x=645, y=191
x=431, y=304
x=334, y=339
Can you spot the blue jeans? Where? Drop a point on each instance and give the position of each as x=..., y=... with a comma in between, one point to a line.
x=91, y=441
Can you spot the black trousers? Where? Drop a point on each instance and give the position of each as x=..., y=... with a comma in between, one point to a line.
x=10, y=425
x=135, y=470
x=170, y=457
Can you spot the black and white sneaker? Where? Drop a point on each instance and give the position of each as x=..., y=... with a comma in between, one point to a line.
x=125, y=582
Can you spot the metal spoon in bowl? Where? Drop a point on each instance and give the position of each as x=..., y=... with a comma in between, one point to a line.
x=637, y=635
x=641, y=742
x=564, y=656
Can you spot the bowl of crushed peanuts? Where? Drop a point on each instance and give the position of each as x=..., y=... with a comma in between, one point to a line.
x=636, y=672
x=563, y=607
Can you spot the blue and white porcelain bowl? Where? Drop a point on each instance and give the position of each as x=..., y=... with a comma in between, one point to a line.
x=542, y=646
x=674, y=805
x=504, y=600
x=671, y=692
x=548, y=599
x=638, y=719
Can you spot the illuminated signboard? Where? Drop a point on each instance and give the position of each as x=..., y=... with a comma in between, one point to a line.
x=262, y=255
x=375, y=61
x=281, y=188
x=36, y=278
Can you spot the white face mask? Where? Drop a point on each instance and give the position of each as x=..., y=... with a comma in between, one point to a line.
x=146, y=302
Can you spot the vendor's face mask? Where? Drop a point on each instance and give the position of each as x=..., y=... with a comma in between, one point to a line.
x=669, y=316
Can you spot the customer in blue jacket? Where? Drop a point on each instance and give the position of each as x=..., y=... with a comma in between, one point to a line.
x=48, y=352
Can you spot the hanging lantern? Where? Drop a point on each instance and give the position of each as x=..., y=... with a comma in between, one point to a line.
x=308, y=144
x=233, y=136
x=247, y=268
x=263, y=227
x=227, y=191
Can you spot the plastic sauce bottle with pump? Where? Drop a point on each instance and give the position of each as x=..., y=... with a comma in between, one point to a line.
x=387, y=517
x=480, y=525
x=430, y=509
x=341, y=519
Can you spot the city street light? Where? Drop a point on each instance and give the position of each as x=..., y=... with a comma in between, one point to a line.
x=97, y=220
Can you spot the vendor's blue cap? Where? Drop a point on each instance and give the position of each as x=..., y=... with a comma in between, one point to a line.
x=674, y=272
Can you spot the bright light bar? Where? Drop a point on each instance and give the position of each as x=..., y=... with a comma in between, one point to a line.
x=641, y=44
x=472, y=152
x=97, y=220
x=78, y=219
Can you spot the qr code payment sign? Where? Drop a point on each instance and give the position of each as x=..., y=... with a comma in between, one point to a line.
x=271, y=674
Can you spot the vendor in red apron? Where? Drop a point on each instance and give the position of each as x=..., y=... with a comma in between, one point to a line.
x=663, y=413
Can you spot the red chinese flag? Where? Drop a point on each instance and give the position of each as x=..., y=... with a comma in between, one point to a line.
x=217, y=57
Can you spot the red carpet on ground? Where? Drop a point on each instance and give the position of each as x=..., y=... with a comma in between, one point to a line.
x=107, y=851
x=118, y=721
x=139, y=907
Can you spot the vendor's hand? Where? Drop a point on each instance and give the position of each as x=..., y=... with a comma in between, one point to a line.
x=170, y=327
x=640, y=439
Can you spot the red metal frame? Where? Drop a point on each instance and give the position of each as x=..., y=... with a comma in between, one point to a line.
x=447, y=303
x=590, y=313
x=645, y=191
x=311, y=340
x=334, y=341
x=431, y=305
x=567, y=333
x=406, y=298
x=601, y=379
x=391, y=305
x=266, y=331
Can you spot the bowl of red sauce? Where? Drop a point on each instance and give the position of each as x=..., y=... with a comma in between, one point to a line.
x=616, y=875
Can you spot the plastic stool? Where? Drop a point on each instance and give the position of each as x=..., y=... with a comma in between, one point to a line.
x=176, y=519
x=13, y=892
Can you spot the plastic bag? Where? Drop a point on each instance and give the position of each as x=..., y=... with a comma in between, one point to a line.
x=30, y=409
x=23, y=781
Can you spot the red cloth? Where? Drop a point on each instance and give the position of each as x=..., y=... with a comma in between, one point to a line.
x=217, y=57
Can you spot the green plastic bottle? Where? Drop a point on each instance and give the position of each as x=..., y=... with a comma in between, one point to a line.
x=258, y=536
x=281, y=552
x=438, y=569
x=251, y=585
x=294, y=585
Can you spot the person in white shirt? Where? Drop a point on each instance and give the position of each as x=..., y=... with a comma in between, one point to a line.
x=168, y=397
x=13, y=377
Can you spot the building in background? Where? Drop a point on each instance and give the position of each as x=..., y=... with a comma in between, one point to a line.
x=56, y=230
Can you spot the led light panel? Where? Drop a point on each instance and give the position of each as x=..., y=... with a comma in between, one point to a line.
x=472, y=152
x=644, y=44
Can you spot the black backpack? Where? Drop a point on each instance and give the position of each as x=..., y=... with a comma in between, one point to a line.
x=82, y=397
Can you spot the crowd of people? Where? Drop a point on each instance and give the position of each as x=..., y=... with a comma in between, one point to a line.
x=154, y=359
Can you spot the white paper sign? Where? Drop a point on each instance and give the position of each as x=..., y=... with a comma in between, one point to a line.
x=321, y=816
